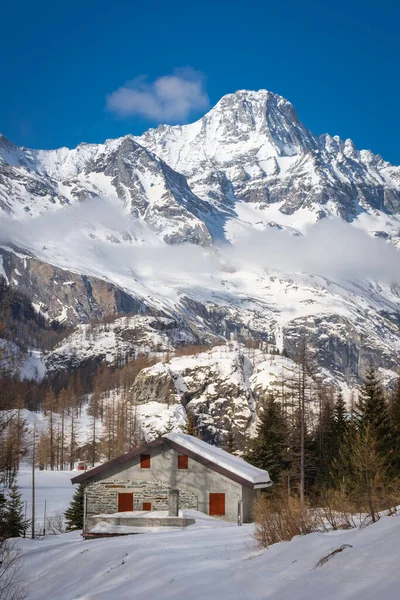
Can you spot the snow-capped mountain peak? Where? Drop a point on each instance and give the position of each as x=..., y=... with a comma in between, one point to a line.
x=261, y=123
x=247, y=167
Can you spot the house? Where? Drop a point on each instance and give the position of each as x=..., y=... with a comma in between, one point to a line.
x=208, y=479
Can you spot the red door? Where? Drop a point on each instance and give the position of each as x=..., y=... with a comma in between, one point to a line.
x=217, y=505
x=125, y=502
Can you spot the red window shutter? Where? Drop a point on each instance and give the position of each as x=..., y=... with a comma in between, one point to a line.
x=183, y=461
x=125, y=502
x=145, y=461
x=217, y=505
x=146, y=505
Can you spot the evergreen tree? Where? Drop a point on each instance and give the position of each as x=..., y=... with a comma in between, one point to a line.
x=269, y=449
x=74, y=513
x=395, y=427
x=341, y=424
x=3, y=515
x=326, y=443
x=372, y=411
x=16, y=525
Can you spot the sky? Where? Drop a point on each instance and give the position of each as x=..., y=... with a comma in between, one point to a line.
x=92, y=70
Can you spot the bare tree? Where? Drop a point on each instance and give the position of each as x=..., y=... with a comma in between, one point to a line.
x=11, y=585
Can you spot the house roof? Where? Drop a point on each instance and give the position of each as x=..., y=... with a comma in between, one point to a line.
x=219, y=457
x=218, y=460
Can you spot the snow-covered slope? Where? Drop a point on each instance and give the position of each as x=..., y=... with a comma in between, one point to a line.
x=126, y=337
x=113, y=217
x=34, y=182
x=214, y=559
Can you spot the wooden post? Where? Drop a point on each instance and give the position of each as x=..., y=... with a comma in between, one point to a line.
x=44, y=519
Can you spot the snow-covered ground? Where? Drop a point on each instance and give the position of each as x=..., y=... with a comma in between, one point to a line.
x=214, y=559
x=53, y=487
x=211, y=559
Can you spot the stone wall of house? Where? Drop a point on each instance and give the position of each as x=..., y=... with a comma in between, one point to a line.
x=102, y=496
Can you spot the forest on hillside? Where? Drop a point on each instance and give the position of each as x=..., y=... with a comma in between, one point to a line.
x=306, y=435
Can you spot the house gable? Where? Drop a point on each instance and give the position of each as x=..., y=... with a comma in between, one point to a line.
x=181, y=446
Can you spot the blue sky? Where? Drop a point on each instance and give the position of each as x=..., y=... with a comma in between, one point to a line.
x=91, y=70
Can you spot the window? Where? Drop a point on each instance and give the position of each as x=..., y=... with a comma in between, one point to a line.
x=146, y=505
x=217, y=505
x=145, y=461
x=183, y=461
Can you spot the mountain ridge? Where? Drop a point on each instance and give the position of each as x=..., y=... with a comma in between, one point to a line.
x=246, y=168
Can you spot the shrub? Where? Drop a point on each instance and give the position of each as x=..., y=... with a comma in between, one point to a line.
x=279, y=517
x=338, y=510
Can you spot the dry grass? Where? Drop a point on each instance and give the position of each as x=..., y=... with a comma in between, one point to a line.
x=56, y=524
x=280, y=517
x=191, y=349
x=338, y=510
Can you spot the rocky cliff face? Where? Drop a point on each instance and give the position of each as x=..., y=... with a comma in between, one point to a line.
x=224, y=388
x=117, y=341
x=64, y=296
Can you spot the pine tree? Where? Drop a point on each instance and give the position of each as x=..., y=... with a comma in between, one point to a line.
x=341, y=424
x=395, y=427
x=269, y=448
x=325, y=438
x=16, y=525
x=372, y=411
x=74, y=513
x=3, y=514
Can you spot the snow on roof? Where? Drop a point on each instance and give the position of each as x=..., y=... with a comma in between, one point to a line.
x=220, y=457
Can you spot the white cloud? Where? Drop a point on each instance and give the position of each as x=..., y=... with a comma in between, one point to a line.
x=170, y=98
x=78, y=237
x=330, y=247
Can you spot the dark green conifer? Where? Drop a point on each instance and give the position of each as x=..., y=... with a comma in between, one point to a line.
x=74, y=513
x=340, y=420
x=372, y=411
x=326, y=441
x=16, y=524
x=3, y=515
x=269, y=449
x=395, y=427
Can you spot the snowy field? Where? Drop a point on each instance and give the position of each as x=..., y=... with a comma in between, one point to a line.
x=213, y=559
x=52, y=487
